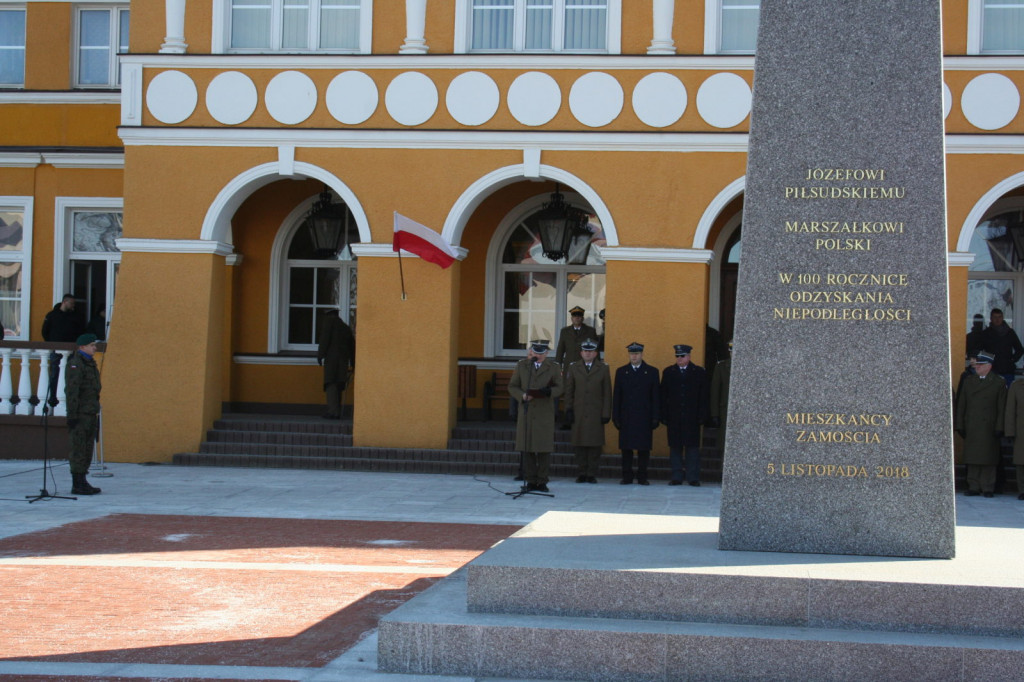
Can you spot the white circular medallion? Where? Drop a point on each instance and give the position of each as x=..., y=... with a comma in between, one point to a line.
x=947, y=100
x=411, y=98
x=534, y=98
x=352, y=97
x=723, y=100
x=472, y=98
x=231, y=98
x=659, y=99
x=290, y=97
x=171, y=97
x=990, y=101
x=595, y=99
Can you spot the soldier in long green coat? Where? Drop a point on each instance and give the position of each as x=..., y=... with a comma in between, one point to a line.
x=535, y=383
x=1015, y=429
x=588, y=407
x=336, y=351
x=82, y=396
x=980, y=415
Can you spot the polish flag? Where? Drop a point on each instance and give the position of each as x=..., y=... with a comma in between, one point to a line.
x=422, y=241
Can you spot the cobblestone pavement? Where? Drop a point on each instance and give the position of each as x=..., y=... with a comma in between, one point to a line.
x=188, y=573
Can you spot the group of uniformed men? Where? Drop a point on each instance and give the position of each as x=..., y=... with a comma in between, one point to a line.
x=682, y=400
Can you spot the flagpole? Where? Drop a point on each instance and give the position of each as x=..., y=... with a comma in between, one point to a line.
x=401, y=273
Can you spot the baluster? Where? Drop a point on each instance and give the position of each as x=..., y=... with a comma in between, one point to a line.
x=43, y=387
x=6, y=388
x=61, y=410
x=24, y=406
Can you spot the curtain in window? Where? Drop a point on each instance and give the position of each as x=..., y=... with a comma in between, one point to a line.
x=1003, y=26
x=295, y=25
x=123, y=23
x=250, y=23
x=94, y=47
x=585, y=25
x=539, y=15
x=739, y=25
x=493, y=24
x=339, y=24
x=12, y=47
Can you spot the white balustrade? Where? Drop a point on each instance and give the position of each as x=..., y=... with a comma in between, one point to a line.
x=174, y=15
x=62, y=408
x=24, y=406
x=6, y=387
x=43, y=387
x=415, y=26
x=662, y=42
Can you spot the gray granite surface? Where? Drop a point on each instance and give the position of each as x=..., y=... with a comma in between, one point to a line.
x=840, y=438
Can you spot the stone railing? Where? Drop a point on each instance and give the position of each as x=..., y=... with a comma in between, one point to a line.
x=26, y=369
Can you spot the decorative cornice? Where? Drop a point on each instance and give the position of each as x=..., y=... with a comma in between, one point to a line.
x=996, y=62
x=984, y=144
x=290, y=360
x=20, y=160
x=73, y=160
x=959, y=259
x=127, y=245
x=646, y=255
x=59, y=97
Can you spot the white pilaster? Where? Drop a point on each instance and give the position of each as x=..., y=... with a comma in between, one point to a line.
x=415, y=27
x=662, y=42
x=174, y=41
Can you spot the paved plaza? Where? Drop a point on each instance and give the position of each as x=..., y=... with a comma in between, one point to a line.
x=183, y=573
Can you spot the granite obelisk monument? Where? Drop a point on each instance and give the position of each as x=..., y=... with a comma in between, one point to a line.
x=840, y=436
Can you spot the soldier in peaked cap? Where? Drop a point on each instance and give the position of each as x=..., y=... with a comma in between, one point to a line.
x=636, y=408
x=535, y=383
x=684, y=407
x=980, y=414
x=569, y=339
x=82, y=393
x=588, y=407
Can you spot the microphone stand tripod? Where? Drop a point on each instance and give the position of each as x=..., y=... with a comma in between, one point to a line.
x=45, y=494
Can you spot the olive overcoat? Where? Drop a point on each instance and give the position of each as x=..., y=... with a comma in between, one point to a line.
x=980, y=415
x=1014, y=421
x=589, y=396
x=535, y=425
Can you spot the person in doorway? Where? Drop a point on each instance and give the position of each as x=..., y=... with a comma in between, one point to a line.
x=62, y=324
x=684, y=407
x=569, y=339
x=636, y=401
x=98, y=324
x=536, y=382
x=1001, y=340
x=588, y=407
x=980, y=417
x=719, y=403
x=336, y=351
x=82, y=392
x=976, y=336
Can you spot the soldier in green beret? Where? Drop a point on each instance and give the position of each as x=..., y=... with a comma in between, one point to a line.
x=82, y=393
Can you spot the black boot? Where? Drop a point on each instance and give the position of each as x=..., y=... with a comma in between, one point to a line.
x=80, y=486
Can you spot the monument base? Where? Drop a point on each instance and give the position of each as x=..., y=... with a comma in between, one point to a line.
x=578, y=596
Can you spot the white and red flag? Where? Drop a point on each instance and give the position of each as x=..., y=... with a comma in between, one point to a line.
x=422, y=241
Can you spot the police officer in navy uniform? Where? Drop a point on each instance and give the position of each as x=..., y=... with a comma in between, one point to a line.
x=82, y=393
x=636, y=406
x=684, y=407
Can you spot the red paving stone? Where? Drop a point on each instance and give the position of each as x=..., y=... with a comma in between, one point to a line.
x=217, y=615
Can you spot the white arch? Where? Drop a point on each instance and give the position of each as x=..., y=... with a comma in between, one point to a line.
x=217, y=223
x=977, y=214
x=475, y=194
x=717, y=205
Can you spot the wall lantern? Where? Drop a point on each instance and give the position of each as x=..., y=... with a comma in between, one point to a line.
x=326, y=222
x=561, y=225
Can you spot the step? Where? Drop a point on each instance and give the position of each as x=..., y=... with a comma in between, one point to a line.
x=279, y=423
x=279, y=437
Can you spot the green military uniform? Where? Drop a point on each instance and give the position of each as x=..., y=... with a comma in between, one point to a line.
x=588, y=393
x=82, y=394
x=1014, y=423
x=719, y=406
x=535, y=426
x=980, y=415
x=569, y=340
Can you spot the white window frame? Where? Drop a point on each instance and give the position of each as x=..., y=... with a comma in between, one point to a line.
x=17, y=8
x=494, y=318
x=117, y=14
x=464, y=22
x=63, y=226
x=713, y=29
x=975, y=30
x=277, y=324
x=25, y=205
x=221, y=39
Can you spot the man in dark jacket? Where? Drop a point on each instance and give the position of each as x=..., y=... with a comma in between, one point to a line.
x=636, y=408
x=684, y=407
x=61, y=323
x=336, y=351
x=82, y=392
x=1003, y=341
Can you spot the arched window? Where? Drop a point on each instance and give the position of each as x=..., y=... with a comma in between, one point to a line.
x=310, y=285
x=997, y=273
x=533, y=294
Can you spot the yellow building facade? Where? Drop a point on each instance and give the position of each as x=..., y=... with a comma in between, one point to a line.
x=161, y=165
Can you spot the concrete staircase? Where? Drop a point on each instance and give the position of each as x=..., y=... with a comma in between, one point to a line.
x=626, y=598
x=481, y=448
